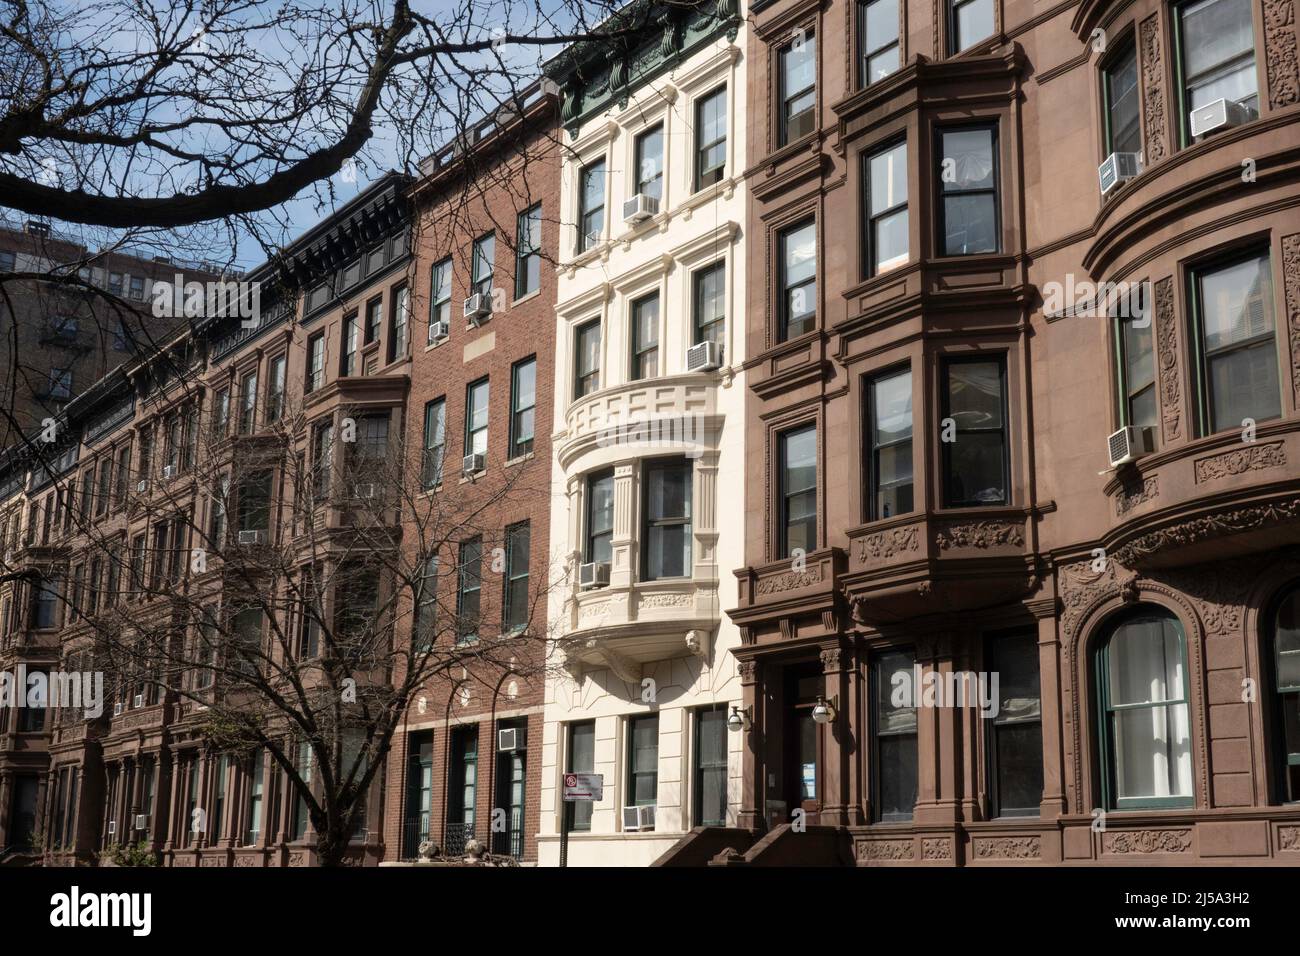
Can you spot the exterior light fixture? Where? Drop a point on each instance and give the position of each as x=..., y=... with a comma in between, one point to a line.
x=825, y=710
x=739, y=719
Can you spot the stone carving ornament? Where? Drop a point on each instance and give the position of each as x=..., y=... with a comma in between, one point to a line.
x=1167, y=356
x=980, y=534
x=1240, y=460
x=1280, y=53
x=1291, y=284
x=1153, y=97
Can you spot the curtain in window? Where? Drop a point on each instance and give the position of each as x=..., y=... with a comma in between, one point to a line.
x=1148, y=705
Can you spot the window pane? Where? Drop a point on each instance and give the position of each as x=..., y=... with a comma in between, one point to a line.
x=582, y=759
x=1122, y=104
x=1138, y=355
x=975, y=394
x=970, y=224
x=1152, y=752
x=650, y=163
x=798, y=88
x=967, y=159
x=1237, y=303
x=799, y=271
x=668, y=513
x=974, y=23
x=977, y=476
x=894, y=670
x=1218, y=51
x=889, y=179
x=1243, y=384
x=799, y=489
x=710, y=303
x=890, y=400
x=881, y=28
x=1019, y=755
x=645, y=337
x=1287, y=641
x=1146, y=662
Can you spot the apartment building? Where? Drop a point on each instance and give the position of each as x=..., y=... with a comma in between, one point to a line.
x=58, y=338
x=957, y=470
x=194, y=517
x=648, y=440
x=466, y=762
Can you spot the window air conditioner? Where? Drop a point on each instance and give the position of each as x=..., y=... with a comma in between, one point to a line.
x=640, y=208
x=250, y=537
x=594, y=574
x=510, y=738
x=169, y=472
x=478, y=306
x=117, y=709
x=142, y=821
x=1220, y=115
x=703, y=357
x=1118, y=168
x=1129, y=444
x=472, y=464
x=439, y=330
x=112, y=827
x=364, y=490
x=636, y=819
x=137, y=701
x=141, y=486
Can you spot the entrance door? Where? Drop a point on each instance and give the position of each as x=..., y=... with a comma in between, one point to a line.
x=803, y=743
x=511, y=773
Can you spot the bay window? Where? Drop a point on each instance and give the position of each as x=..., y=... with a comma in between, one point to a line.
x=887, y=238
x=798, y=491
x=889, y=470
x=1215, y=42
x=968, y=174
x=894, y=757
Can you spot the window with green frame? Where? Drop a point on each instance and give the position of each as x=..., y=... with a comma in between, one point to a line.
x=1214, y=55
x=1234, y=332
x=1144, y=729
x=1286, y=684
x=1135, y=371
x=1122, y=125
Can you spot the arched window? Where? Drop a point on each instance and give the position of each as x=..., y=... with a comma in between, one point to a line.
x=1286, y=685
x=1141, y=677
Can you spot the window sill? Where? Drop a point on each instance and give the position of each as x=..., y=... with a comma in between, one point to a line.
x=471, y=478
x=526, y=298
x=436, y=344
x=520, y=459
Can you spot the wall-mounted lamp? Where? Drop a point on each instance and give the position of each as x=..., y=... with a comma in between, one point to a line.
x=739, y=719
x=825, y=710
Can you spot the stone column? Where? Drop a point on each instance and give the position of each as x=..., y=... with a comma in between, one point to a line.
x=752, y=815
x=837, y=663
x=623, y=543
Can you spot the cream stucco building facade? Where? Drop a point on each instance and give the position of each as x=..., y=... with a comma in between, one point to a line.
x=648, y=448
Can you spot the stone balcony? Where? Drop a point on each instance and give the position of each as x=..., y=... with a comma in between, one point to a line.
x=954, y=561
x=683, y=409
x=1213, y=498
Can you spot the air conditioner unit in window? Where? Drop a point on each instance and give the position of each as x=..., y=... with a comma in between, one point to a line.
x=510, y=738
x=137, y=701
x=251, y=537
x=636, y=819
x=703, y=357
x=117, y=709
x=1220, y=115
x=1129, y=444
x=142, y=821
x=141, y=486
x=112, y=827
x=439, y=330
x=472, y=464
x=169, y=472
x=364, y=490
x=640, y=208
x=593, y=575
x=478, y=307
x=1118, y=168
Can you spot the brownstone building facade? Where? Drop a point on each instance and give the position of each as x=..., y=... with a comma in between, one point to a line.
x=932, y=497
